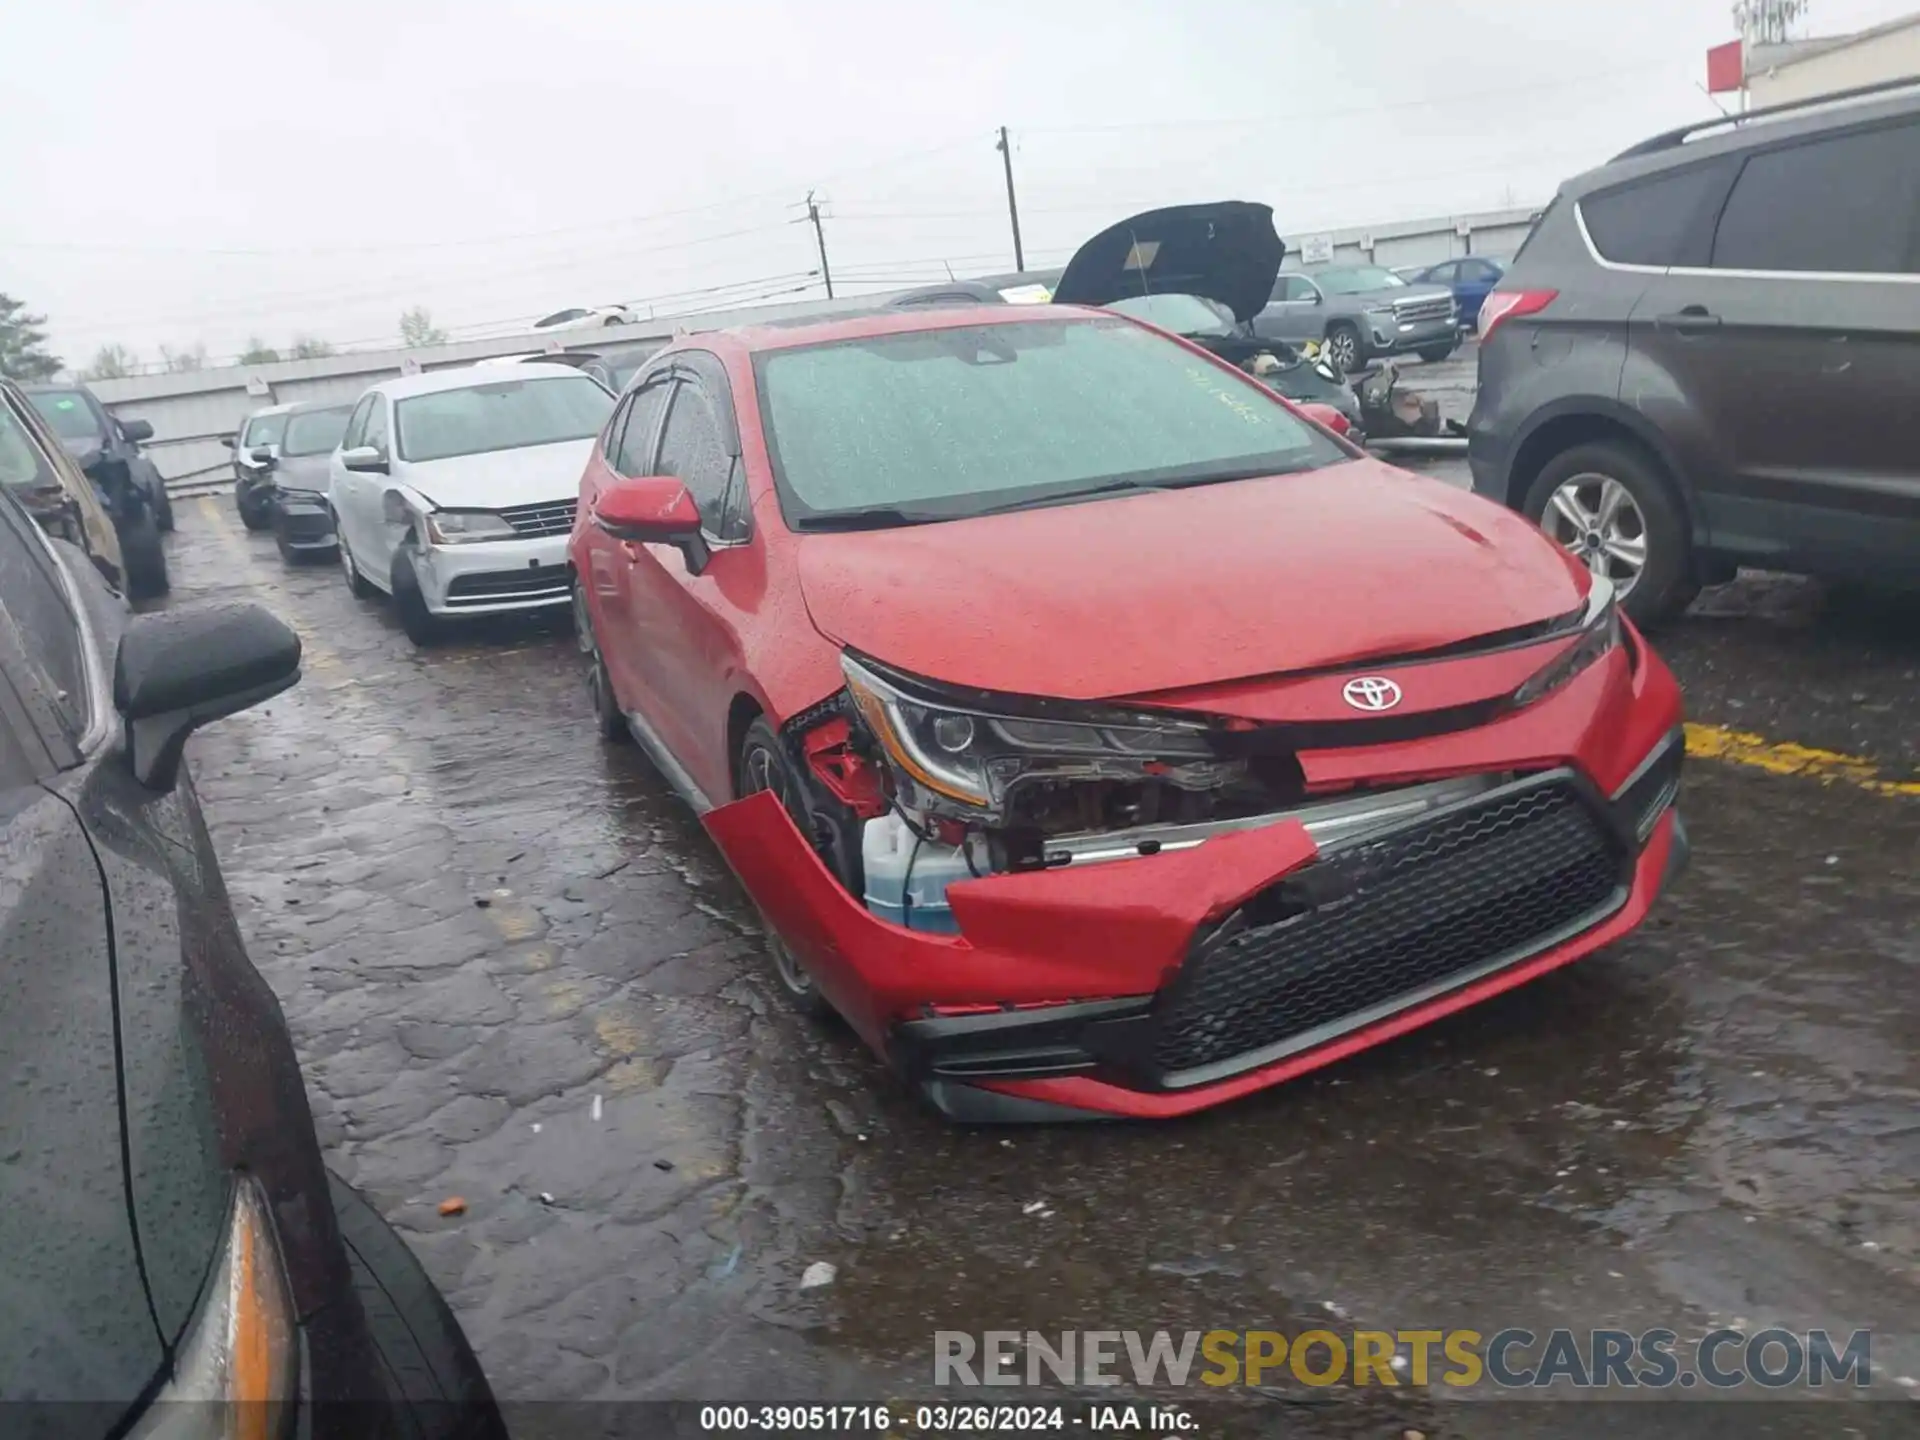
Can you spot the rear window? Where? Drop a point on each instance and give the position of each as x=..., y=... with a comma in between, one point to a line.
x=315, y=432
x=1664, y=220
x=1847, y=205
x=501, y=415
x=951, y=422
x=264, y=430
x=68, y=413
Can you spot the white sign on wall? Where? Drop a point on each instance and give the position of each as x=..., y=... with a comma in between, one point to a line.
x=1316, y=250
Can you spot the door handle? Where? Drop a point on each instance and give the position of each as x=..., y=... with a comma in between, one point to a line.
x=1688, y=317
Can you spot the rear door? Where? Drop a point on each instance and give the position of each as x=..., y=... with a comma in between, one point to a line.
x=627, y=450
x=1796, y=340
x=1473, y=280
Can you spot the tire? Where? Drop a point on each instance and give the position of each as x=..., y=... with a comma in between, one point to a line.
x=357, y=584
x=763, y=765
x=164, y=509
x=253, y=509
x=430, y=1368
x=1434, y=354
x=1666, y=580
x=423, y=627
x=1345, y=347
x=607, y=717
x=146, y=560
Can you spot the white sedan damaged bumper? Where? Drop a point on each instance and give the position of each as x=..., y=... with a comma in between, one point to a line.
x=492, y=576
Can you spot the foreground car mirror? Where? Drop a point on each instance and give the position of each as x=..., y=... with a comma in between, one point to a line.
x=653, y=510
x=260, y=455
x=134, y=431
x=365, y=460
x=179, y=669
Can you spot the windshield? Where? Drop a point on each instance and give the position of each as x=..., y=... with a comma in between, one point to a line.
x=68, y=413
x=264, y=430
x=22, y=467
x=940, y=424
x=621, y=371
x=1182, y=314
x=315, y=432
x=1357, y=279
x=500, y=415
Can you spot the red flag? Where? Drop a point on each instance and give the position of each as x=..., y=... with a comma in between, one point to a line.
x=1726, y=68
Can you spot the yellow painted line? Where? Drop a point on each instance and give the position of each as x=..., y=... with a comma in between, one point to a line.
x=1783, y=757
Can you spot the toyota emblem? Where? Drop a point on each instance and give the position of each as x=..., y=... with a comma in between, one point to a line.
x=1372, y=692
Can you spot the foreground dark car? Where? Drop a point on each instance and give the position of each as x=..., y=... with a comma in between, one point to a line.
x=168, y=1234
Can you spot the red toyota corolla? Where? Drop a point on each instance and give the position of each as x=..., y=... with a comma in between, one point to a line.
x=1094, y=733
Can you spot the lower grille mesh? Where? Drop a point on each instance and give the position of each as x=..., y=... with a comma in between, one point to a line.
x=1406, y=911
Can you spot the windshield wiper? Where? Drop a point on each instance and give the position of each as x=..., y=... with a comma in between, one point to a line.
x=873, y=517
x=1167, y=482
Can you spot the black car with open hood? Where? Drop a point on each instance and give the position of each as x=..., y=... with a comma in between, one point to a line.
x=1203, y=272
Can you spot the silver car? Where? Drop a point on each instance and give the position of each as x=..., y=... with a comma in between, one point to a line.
x=1361, y=311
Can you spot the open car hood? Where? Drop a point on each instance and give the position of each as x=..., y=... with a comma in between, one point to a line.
x=1226, y=251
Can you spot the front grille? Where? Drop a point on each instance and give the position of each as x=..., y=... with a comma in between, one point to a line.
x=1374, y=926
x=1436, y=308
x=552, y=517
x=491, y=587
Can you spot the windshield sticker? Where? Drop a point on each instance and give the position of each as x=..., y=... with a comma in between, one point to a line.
x=63, y=404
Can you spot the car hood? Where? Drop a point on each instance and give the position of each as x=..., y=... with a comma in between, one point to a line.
x=496, y=479
x=74, y=1318
x=1171, y=589
x=1388, y=294
x=1226, y=251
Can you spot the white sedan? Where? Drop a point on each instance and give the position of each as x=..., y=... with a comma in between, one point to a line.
x=585, y=315
x=454, y=491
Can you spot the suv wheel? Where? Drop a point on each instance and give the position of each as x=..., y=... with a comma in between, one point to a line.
x=1609, y=504
x=1343, y=344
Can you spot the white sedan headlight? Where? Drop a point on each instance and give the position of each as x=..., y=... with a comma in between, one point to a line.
x=465, y=527
x=236, y=1375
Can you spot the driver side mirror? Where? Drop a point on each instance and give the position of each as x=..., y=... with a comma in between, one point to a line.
x=176, y=670
x=365, y=460
x=653, y=510
x=262, y=456
x=134, y=431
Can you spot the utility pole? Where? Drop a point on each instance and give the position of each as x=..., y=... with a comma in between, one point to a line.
x=820, y=235
x=1013, y=208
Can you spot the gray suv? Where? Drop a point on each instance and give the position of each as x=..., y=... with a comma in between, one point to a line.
x=1707, y=354
x=1361, y=311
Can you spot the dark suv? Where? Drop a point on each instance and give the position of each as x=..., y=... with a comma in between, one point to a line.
x=1707, y=354
x=175, y=1260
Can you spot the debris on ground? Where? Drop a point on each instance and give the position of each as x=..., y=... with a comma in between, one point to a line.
x=453, y=1205
x=546, y=1197
x=596, y=1108
x=819, y=1273
x=1033, y=1207
x=663, y=1164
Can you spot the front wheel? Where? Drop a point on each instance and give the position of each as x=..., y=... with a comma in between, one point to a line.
x=427, y=1363
x=763, y=765
x=1610, y=504
x=357, y=584
x=146, y=560
x=163, y=508
x=252, y=506
x=607, y=717
x=423, y=627
x=1343, y=347
x=1434, y=354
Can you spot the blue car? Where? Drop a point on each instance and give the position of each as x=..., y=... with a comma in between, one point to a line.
x=1470, y=278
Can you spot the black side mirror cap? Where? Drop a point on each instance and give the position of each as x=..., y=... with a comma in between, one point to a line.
x=134, y=431
x=177, y=670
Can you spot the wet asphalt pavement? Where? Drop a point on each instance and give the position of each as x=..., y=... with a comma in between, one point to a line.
x=518, y=974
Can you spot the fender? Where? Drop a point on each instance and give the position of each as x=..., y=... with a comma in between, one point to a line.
x=1603, y=407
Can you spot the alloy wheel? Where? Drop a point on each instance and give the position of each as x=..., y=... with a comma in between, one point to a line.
x=1597, y=519
x=1344, y=346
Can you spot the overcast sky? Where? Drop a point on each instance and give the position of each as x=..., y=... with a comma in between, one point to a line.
x=210, y=170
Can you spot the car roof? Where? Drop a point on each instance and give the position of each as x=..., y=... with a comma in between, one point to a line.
x=1736, y=134
x=869, y=323
x=307, y=407
x=465, y=377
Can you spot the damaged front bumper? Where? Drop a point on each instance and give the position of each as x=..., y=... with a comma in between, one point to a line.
x=1160, y=984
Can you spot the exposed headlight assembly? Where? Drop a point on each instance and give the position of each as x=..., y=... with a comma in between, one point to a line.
x=236, y=1373
x=963, y=758
x=1599, y=633
x=465, y=527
